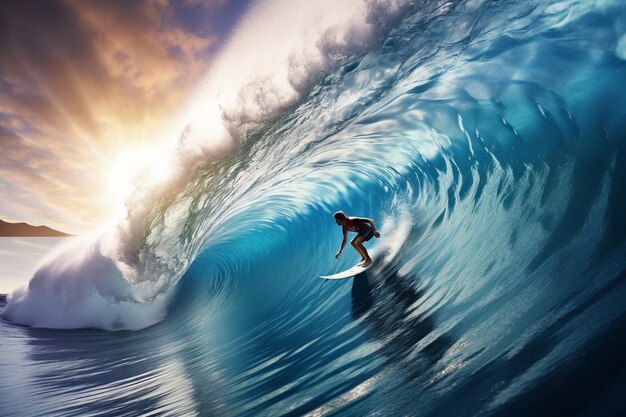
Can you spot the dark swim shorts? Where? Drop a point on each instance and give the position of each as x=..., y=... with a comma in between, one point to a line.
x=366, y=233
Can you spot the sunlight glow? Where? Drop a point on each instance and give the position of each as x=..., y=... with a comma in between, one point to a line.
x=137, y=168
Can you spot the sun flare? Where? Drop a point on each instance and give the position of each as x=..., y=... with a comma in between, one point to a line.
x=137, y=167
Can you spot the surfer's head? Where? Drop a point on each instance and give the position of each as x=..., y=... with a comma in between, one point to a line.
x=340, y=217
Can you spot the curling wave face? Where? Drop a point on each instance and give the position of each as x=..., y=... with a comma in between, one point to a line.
x=486, y=139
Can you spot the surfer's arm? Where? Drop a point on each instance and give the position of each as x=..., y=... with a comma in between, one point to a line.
x=343, y=244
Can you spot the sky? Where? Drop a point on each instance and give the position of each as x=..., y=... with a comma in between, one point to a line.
x=85, y=87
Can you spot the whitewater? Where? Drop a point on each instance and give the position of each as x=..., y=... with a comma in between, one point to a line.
x=485, y=138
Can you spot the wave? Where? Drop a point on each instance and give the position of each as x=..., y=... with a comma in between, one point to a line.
x=488, y=133
x=129, y=266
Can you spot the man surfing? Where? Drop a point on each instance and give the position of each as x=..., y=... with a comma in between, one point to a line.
x=365, y=229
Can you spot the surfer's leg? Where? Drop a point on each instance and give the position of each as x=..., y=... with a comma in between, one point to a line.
x=363, y=236
x=367, y=260
x=357, y=244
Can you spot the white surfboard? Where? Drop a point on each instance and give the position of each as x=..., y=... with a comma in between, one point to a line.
x=348, y=273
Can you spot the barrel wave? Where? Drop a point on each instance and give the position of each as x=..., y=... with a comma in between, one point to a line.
x=485, y=138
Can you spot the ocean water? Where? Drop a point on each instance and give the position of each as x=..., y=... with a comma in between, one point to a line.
x=485, y=138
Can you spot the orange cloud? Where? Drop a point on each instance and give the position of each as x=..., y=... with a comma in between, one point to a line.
x=80, y=81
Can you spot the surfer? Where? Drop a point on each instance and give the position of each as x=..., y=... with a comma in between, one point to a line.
x=365, y=229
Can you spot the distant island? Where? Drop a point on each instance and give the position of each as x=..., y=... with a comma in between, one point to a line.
x=26, y=230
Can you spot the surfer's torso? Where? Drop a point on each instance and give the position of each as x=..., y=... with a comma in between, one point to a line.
x=355, y=225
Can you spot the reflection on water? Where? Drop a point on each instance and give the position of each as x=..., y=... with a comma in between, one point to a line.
x=89, y=371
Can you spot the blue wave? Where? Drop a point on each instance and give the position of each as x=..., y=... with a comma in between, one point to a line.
x=486, y=139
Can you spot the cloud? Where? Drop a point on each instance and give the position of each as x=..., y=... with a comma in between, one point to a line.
x=80, y=81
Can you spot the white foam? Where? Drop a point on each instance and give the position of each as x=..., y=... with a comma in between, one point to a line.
x=398, y=230
x=79, y=287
